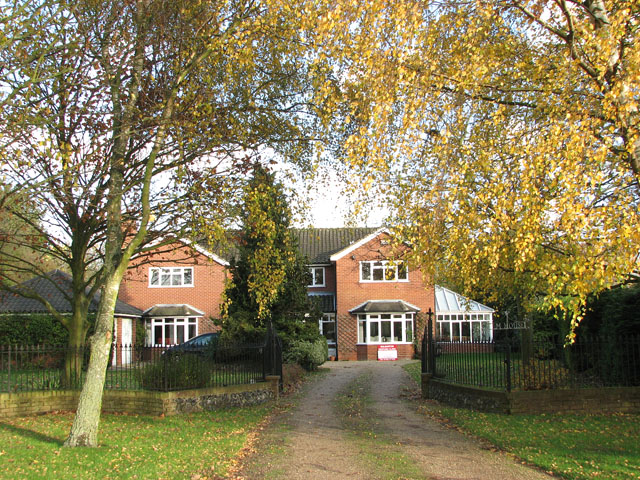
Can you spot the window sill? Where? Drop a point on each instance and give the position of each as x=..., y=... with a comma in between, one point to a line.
x=171, y=286
x=384, y=281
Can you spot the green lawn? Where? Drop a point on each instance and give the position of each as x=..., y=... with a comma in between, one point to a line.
x=479, y=369
x=130, y=446
x=571, y=446
x=488, y=370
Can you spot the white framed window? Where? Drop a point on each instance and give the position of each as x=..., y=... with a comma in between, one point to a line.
x=328, y=327
x=385, y=328
x=383, y=271
x=464, y=327
x=162, y=277
x=171, y=331
x=317, y=277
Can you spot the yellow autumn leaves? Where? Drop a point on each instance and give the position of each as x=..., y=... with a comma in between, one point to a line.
x=503, y=135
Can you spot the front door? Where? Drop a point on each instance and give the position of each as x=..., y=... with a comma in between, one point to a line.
x=127, y=340
x=328, y=329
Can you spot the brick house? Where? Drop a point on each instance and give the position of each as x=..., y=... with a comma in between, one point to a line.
x=369, y=298
x=178, y=287
x=372, y=300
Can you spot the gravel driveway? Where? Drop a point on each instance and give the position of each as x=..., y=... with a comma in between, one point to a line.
x=311, y=441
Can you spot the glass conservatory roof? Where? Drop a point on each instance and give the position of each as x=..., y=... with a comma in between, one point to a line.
x=450, y=301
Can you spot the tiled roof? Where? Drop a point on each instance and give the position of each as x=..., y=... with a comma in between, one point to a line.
x=55, y=287
x=318, y=244
x=385, y=306
x=172, y=310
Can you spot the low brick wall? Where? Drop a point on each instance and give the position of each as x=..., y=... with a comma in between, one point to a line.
x=582, y=400
x=466, y=397
x=144, y=403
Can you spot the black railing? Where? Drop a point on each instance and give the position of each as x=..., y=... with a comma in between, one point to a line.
x=54, y=367
x=547, y=364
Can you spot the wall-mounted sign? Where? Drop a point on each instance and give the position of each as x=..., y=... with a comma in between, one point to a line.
x=387, y=352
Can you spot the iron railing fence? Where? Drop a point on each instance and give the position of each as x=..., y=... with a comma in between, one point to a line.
x=536, y=365
x=58, y=367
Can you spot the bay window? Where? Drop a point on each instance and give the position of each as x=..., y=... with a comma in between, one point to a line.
x=385, y=328
x=171, y=331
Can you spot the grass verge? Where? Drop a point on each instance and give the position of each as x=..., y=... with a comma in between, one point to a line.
x=571, y=446
x=378, y=450
x=136, y=447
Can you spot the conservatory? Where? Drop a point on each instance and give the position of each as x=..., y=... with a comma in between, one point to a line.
x=459, y=319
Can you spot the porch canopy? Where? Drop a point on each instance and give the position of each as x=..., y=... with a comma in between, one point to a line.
x=172, y=310
x=385, y=306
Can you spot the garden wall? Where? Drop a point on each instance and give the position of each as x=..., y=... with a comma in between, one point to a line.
x=582, y=400
x=144, y=403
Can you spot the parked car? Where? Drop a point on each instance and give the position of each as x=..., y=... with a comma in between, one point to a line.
x=196, y=345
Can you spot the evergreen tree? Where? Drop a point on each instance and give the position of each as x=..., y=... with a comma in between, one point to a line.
x=269, y=276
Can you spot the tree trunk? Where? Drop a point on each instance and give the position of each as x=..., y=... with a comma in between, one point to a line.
x=84, y=431
x=77, y=327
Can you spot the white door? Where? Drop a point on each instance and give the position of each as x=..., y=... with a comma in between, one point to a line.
x=127, y=340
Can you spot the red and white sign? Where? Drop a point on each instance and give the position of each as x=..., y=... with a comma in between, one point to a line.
x=387, y=352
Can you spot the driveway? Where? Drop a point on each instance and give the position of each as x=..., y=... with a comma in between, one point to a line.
x=316, y=438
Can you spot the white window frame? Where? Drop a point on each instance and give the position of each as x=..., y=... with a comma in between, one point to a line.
x=313, y=283
x=172, y=273
x=456, y=320
x=369, y=320
x=328, y=318
x=385, y=266
x=167, y=323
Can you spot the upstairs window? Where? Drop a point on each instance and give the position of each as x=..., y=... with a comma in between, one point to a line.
x=383, y=271
x=317, y=277
x=171, y=277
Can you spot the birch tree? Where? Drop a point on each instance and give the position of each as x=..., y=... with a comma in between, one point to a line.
x=504, y=134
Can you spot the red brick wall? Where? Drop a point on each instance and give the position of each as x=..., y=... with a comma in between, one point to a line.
x=209, y=278
x=370, y=352
x=351, y=292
